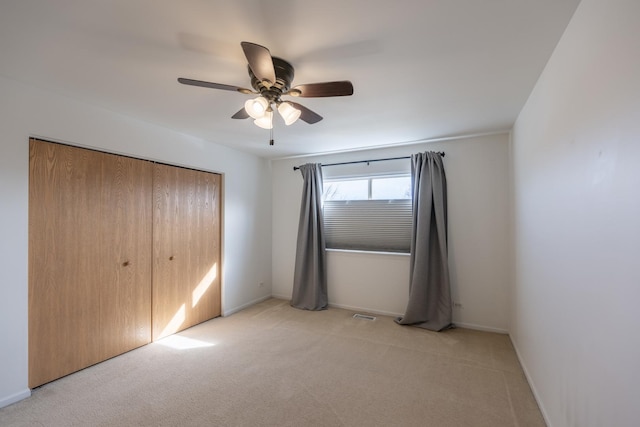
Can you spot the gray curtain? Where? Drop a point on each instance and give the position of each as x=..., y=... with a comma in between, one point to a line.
x=429, y=303
x=310, y=276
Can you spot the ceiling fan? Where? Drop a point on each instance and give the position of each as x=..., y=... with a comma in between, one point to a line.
x=271, y=79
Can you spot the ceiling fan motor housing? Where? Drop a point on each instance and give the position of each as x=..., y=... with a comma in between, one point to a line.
x=284, y=77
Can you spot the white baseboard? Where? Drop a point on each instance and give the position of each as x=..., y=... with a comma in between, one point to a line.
x=242, y=307
x=481, y=328
x=347, y=307
x=6, y=401
x=367, y=310
x=536, y=396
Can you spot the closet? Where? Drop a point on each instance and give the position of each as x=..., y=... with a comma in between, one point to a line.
x=122, y=251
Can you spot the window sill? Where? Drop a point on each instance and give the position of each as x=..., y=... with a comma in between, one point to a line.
x=355, y=251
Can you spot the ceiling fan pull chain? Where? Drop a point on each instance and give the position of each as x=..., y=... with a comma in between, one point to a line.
x=271, y=136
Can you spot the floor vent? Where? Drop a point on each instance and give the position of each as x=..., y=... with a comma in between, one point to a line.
x=364, y=317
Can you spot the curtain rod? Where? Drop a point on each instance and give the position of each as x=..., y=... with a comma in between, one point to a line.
x=295, y=168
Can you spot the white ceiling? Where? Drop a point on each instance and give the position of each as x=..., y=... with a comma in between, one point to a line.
x=421, y=69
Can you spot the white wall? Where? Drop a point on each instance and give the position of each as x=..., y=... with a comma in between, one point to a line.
x=26, y=111
x=576, y=158
x=477, y=178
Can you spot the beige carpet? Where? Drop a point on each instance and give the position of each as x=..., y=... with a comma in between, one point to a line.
x=272, y=365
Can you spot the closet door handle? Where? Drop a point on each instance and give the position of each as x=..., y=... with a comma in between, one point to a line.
x=125, y=264
x=171, y=258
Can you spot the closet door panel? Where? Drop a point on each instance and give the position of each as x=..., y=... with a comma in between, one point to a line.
x=186, y=262
x=126, y=224
x=204, y=253
x=169, y=246
x=89, y=258
x=64, y=215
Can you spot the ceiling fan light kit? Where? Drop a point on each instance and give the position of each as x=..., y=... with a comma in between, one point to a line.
x=271, y=79
x=288, y=112
x=266, y=121
x=257, y=107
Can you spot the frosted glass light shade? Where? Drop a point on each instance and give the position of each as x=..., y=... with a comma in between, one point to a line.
x=288, y=112
x=266, y=121
x=256, y=107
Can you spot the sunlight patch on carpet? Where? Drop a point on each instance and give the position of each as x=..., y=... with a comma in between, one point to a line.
x=183, y=343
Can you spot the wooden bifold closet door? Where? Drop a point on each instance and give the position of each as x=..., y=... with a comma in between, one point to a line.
x=186, y=249
x=89, y=258
x=121, y=251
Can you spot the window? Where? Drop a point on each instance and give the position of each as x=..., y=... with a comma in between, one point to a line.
x=368, y=213
x=355, y=189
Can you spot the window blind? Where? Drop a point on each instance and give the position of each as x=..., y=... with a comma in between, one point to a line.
x=370, y=225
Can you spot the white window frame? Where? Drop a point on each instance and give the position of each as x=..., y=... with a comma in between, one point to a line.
x=375, y=225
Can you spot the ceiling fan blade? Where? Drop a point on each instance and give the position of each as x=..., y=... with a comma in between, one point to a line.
x=260, y=62
x=317, y=90
x=306, y=115
x=241, y=114
x=214, y=85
